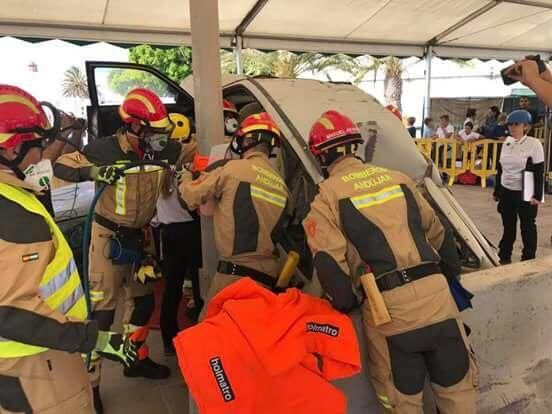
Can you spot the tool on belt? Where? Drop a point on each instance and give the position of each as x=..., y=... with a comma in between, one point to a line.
x=288, y=269
x=375, y=301
x=373, y=287
x=279, y=284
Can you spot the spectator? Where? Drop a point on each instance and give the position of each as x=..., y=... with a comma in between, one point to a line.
x=490, y=121
x=429, y=128
x=526, y=71
x=471, y=115
x=525, y=105
x=519, y=153
x=468, y=134
x=411, y=128
x=445, y=129
x=500, y=131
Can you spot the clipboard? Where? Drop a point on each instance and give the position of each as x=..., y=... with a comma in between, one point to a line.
x=529, y=186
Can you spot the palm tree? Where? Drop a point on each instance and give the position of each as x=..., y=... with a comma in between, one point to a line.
x=74, y=83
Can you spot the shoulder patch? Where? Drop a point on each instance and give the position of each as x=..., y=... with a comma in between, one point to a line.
x=18, y=225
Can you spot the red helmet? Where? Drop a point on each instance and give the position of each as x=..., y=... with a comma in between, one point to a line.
x=21, y=117
x=228, y=106
x=144, y=107
x=331, y=130
x=265, y=128
x=394, y=110
x=258, y=122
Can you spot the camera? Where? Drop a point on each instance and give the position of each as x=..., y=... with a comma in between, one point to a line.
x=508, y=70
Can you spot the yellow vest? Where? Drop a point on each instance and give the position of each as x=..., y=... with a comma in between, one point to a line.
x=60, y=287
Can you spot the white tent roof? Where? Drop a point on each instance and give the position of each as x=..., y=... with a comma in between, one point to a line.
x=500, y=29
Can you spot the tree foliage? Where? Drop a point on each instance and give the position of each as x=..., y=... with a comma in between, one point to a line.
x=74, y=83
x=285, y=64
x=176, y=63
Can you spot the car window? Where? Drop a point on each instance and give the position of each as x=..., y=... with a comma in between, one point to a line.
x=113, y=84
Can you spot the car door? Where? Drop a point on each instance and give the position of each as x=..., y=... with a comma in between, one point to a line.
x=109, y=82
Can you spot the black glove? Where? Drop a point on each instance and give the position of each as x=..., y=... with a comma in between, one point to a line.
x=106, y=174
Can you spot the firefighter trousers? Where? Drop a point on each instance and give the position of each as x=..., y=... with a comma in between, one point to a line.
x=106, y=281
x=426, y=338
x=50, y=382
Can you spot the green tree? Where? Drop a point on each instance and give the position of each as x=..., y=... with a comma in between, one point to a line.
x=176, y=63
x=74, y=83
x=285, y=64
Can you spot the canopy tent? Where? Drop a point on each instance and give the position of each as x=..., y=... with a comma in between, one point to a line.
x=501, y=29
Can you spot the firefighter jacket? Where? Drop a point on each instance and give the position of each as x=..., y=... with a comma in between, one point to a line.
x=367, y=216
x=250, y=199
x=131, y=200
x=258, y=352
x=42, y=304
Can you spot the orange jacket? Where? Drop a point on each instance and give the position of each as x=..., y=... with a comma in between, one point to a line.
x=258, y=352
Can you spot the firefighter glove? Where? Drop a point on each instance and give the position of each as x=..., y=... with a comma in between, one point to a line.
x=116, y=347
x=106, y=174
x=148, y=270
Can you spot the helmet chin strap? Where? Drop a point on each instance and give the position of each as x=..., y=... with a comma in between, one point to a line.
x=14, y=164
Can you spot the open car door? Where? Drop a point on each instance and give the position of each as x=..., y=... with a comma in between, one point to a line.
x=109, y=82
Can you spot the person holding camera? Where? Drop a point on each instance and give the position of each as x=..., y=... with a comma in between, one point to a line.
x=534, y=74
x=519, y=153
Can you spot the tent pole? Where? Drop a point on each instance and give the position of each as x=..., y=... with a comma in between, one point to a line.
x=427, y=103
x=238, y=55
x=204, y=17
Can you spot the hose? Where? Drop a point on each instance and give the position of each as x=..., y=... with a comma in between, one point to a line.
x=87, y=233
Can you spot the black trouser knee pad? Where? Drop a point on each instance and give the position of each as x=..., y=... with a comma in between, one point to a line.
x=143, y=309
x=104, y=318
x=437, y=350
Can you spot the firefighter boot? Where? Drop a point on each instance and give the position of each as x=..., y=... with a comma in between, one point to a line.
x=148, y=369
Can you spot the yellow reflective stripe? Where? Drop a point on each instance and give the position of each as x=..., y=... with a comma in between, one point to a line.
x=96, y=295
x=142, y=99
x=12, y=349
x=67, y=291
x=78, y=309
x=120, y=196
x=384, y=400
x=380, y=197
x=48, y=288
x=268, y=196
x=145, y=168
x=19, y=99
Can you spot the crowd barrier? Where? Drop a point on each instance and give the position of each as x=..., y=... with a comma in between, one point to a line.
x=454, y=157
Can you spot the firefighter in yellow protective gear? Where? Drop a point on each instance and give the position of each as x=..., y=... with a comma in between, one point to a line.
x=43, y=327
x=369, y=221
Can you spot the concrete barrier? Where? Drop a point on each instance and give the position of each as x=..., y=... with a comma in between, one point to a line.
x=512, y=336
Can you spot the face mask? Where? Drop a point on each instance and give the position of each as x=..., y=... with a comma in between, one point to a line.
x=157, y=142
x=39, y=175
x=230, y=125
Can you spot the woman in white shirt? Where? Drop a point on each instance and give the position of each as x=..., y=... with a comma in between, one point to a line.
x=180, y=241
x=519, y=153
